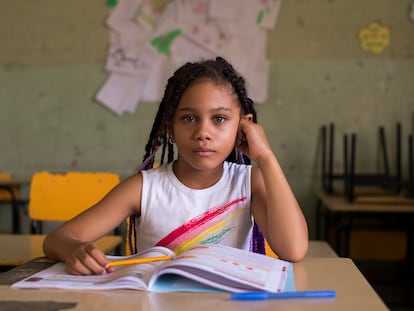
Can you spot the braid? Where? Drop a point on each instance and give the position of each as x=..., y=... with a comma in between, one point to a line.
x=218, y=71
x=246, y=104
x=257, y=244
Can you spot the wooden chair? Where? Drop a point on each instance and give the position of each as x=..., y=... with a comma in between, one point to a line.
x=59, y=197
x=411, y=166
x=6, y=196
x=382, y=182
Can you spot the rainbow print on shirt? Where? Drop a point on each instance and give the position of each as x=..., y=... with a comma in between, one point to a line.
x=210, y=227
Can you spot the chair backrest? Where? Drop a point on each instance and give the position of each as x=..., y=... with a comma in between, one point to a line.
x=6, y=176
x=60, y=197
x=269, y=251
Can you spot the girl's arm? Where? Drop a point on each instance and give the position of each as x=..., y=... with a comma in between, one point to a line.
x=274, y=206
x=72, y=242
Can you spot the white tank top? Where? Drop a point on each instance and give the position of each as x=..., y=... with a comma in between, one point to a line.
x=178, y=217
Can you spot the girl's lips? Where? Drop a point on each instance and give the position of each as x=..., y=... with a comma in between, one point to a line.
x=203, y=151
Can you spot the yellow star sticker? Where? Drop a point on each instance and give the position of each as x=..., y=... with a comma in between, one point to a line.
x=374, y=38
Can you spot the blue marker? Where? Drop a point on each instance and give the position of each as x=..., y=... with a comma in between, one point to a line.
x=283, y=295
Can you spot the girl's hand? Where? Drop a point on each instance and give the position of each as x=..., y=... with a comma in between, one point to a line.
x=252, y=141
x=87, y=259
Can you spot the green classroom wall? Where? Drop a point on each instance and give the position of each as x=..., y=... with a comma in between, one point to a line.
x=52, y=56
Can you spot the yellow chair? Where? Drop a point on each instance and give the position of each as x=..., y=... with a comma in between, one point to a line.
x=59, y=197
x=268, y=251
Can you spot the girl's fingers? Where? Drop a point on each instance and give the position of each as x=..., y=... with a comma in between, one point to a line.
x=252, y=140
x=97, y=255
x=77, y=267
x=88, y=260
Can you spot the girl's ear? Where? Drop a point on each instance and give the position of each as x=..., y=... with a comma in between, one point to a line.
x=248, y=117
x=170, y=131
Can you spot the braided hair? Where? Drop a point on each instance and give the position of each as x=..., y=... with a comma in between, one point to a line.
x=218, y=71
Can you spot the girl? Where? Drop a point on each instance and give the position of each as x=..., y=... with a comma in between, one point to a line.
x=202, y=196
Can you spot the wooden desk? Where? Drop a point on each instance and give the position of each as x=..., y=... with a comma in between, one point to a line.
x=340, y=274
x=8, y=185
x=20, y=248
x=334, y=211
x=372, y=204
x=320, y=249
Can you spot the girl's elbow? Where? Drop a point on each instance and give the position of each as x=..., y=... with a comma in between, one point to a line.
x=296, y=257
x=296, y=252
x=299, y=252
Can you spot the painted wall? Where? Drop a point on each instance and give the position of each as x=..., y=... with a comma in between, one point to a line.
x=52, y=55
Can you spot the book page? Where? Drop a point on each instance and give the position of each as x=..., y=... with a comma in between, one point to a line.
x=227, y=268
x=126, y=277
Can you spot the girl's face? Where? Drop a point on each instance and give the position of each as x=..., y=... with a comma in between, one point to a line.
x=205, y=125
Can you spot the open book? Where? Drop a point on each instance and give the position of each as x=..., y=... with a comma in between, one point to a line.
x=202, y=268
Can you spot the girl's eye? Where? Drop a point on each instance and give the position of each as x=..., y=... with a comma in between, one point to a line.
x=189, y=118
x=220, y=119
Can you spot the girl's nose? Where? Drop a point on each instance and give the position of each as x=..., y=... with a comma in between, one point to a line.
x=202, y=131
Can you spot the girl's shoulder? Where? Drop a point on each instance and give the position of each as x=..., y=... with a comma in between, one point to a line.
x=235, y=172
x=131, y=181
x=236, y=167
x=159, y=170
